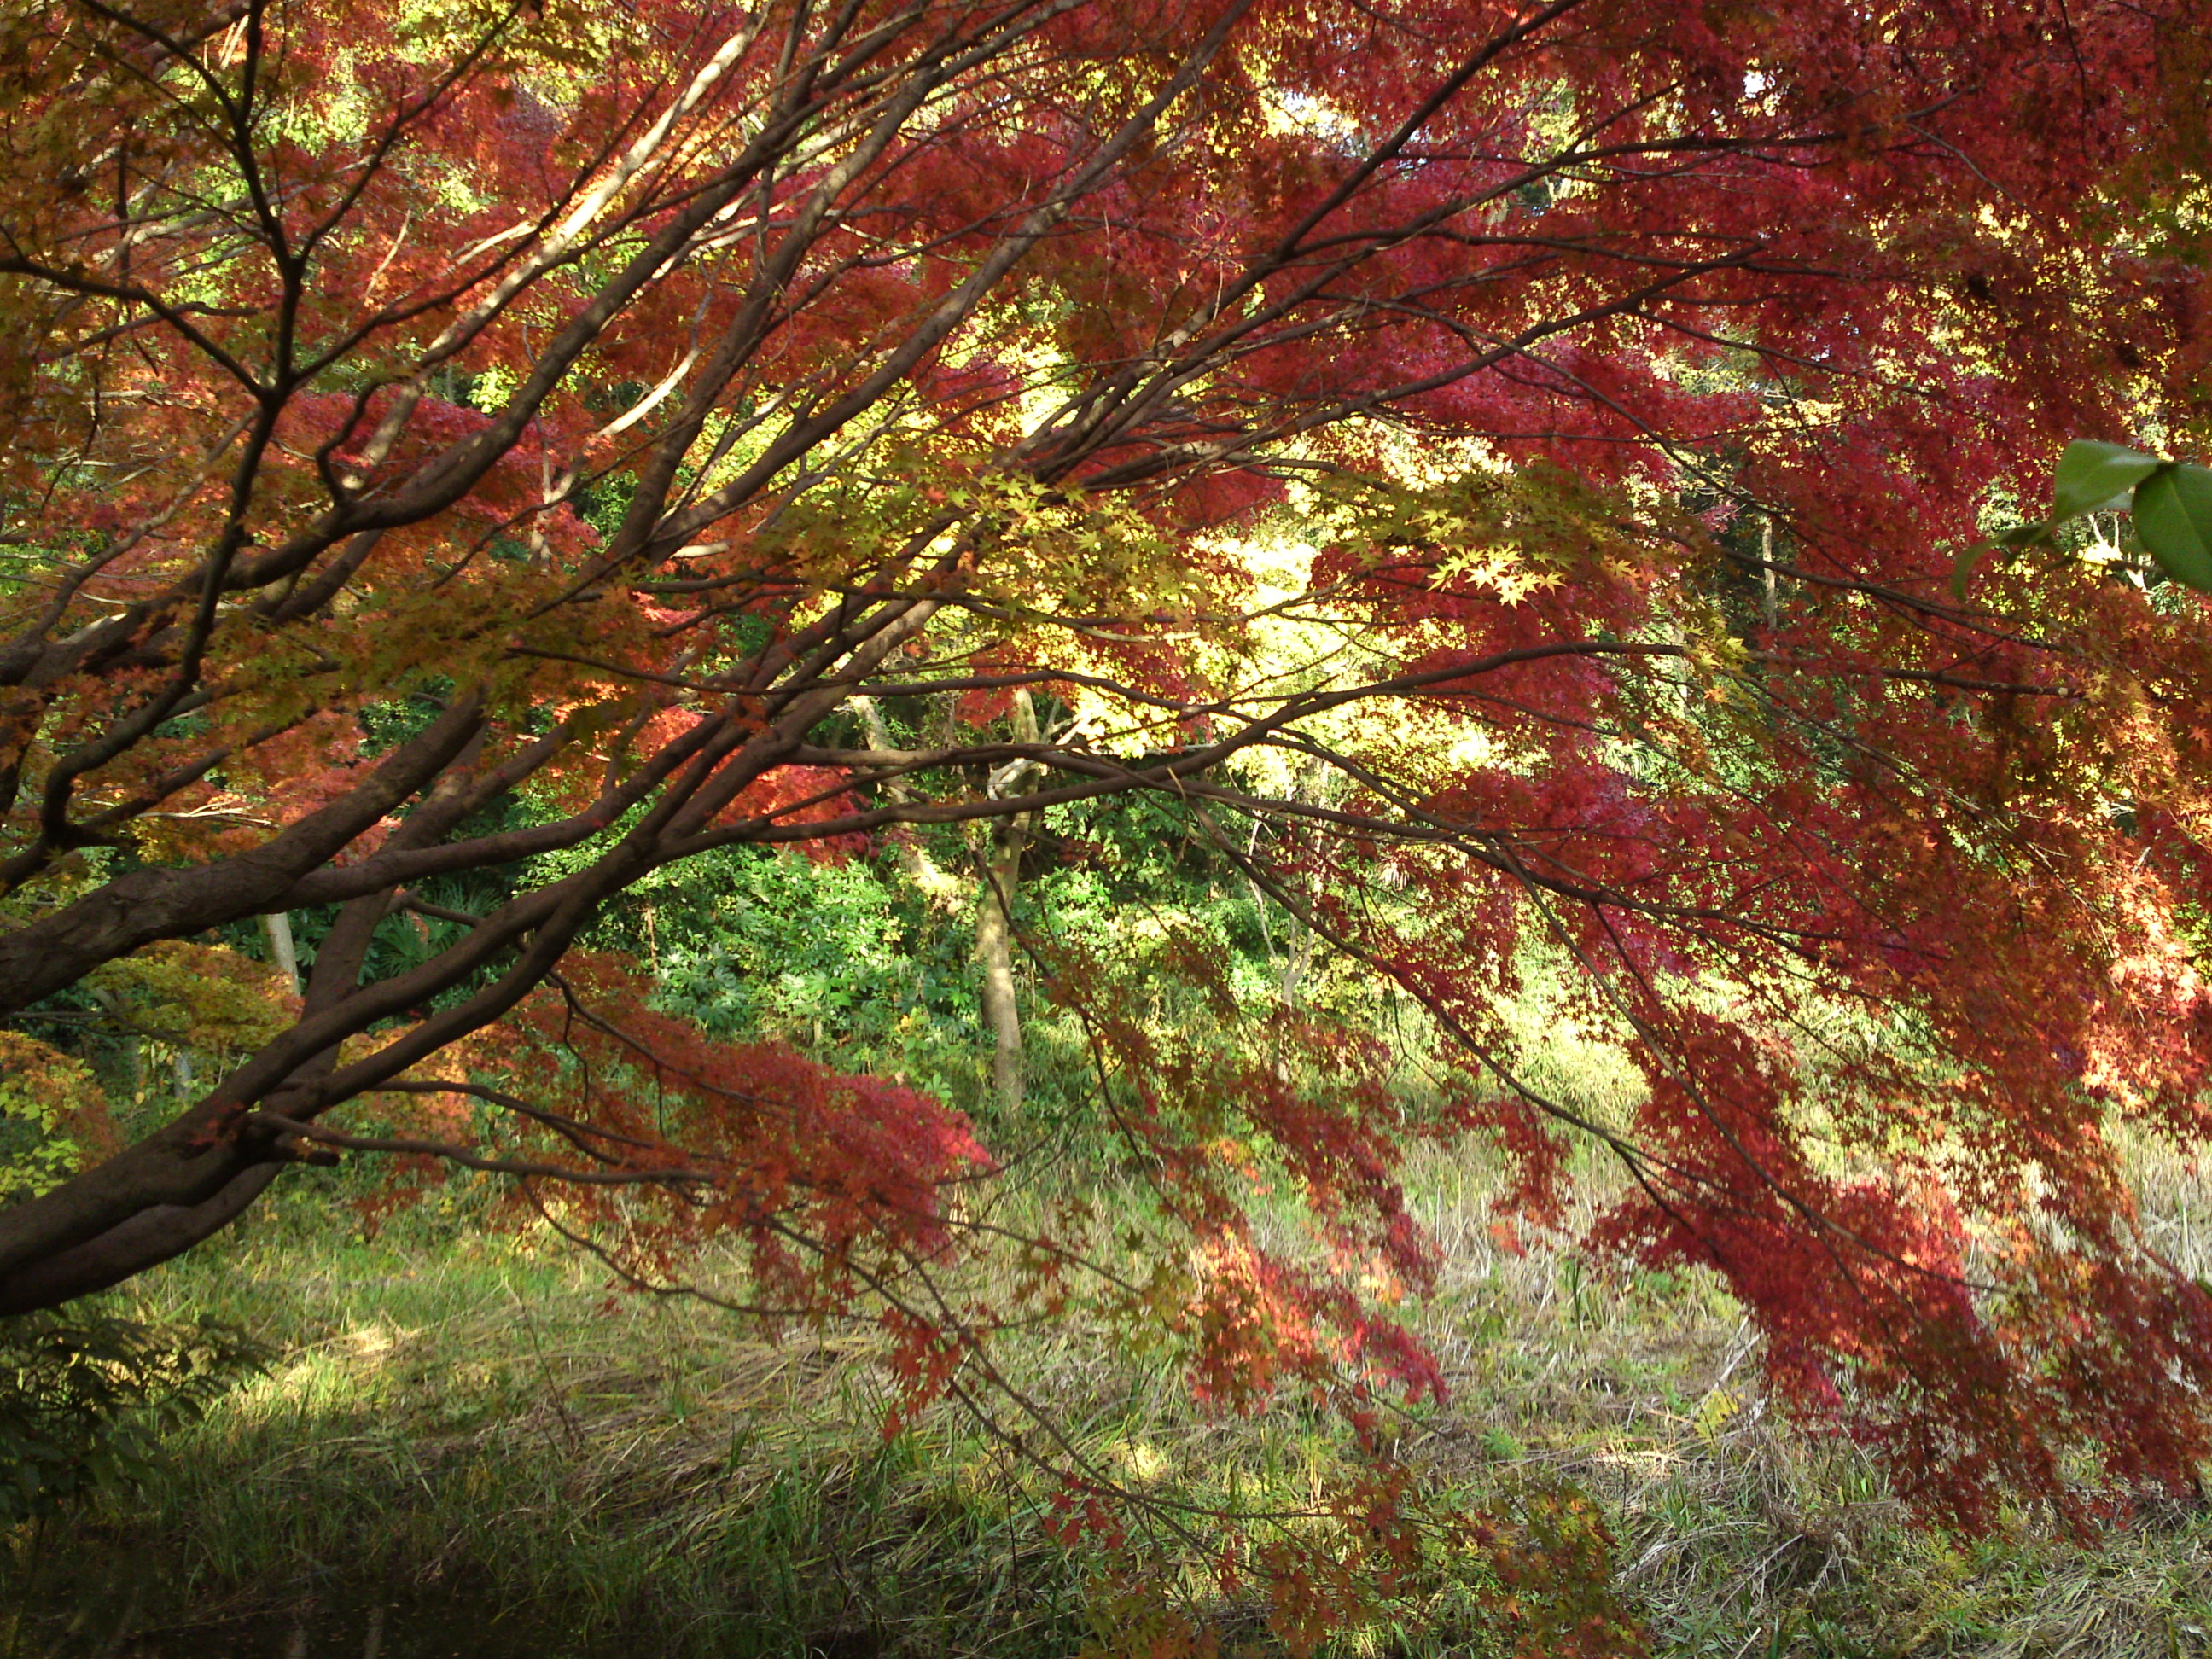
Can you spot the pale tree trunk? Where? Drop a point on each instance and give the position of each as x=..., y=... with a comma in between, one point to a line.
x=277, y=926
x=940, y=887
x=994, y=949
x=1766, y=571
x=994, y=932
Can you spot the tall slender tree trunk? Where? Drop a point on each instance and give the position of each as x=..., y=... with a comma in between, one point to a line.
x=995, y=928
x=939, y=886
x=1768, y=607
x=994, y=948
x=276, y=925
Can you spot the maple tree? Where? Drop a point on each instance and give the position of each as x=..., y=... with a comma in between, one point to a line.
x=536, y=444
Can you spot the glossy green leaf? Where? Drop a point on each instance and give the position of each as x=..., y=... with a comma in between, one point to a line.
x=2012, y=541
x=2173, y=519
x=2096, y=478
x=1962, y=567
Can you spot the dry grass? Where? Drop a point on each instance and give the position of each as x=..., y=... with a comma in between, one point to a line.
x=466, y=1434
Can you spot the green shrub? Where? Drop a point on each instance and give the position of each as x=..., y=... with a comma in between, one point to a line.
x=84, y=1399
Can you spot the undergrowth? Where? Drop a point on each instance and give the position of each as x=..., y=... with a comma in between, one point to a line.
x=468, y=1445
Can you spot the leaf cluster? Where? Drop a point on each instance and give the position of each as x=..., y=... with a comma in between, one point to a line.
x=86, y=1399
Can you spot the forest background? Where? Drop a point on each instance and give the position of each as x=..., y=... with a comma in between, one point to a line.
x=1228, y=827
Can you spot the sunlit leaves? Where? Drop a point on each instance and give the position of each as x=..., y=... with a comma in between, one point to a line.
x=1512, y=540
x=52, y=1118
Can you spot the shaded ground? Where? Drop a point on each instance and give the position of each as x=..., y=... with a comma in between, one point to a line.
x=468, y=1448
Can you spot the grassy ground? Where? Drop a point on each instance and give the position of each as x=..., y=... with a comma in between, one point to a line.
x=467, y=1446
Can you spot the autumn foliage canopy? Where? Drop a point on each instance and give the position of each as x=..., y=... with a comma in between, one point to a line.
x=522, y=441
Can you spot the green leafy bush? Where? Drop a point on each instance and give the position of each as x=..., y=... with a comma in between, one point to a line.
x=83, y=1400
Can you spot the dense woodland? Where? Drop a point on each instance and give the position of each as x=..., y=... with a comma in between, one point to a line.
x=1171, y=827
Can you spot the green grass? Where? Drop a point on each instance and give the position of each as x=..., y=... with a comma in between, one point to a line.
x=481, y=1431
x=470, y=1446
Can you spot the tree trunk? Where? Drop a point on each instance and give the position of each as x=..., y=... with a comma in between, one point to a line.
x=994, y=929
x=277, y=926
x=1769, y=611
x=994, y=948
x=940, y=887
